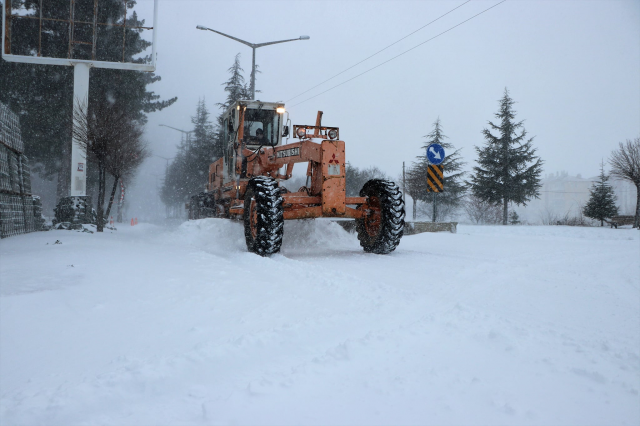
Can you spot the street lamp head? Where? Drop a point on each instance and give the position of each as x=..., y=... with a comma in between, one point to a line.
x=304, y=37
x=200, y=27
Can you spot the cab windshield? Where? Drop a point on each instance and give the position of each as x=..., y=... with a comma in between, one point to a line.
x=268, y=121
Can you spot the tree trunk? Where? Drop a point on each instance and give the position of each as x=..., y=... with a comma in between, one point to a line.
x=101, y=193
x=505, y=211
x=113, y=194
x=601, y=222
x=120, y=202
x=636, y=222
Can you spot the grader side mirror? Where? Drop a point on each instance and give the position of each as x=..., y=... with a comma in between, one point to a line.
x=285, y=131
x=230, y=126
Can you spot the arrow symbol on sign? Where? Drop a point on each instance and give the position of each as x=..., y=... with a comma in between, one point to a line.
x=436, y=154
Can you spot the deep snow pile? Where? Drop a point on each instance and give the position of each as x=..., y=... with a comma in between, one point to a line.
x=493, y=325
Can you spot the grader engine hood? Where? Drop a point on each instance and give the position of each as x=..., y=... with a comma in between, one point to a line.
x=327, y=161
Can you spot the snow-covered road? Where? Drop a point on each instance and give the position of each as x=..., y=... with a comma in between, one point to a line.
x=153, y=326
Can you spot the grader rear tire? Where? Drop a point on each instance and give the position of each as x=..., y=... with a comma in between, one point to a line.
x=380, y=231
x=263, y=216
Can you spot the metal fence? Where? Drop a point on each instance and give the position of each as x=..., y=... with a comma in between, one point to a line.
x=20, y=211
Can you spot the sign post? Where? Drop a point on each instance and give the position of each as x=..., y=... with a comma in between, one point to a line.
x=78, y=153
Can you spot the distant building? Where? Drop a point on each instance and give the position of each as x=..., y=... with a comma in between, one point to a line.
x=562, y=196
x=627, y=196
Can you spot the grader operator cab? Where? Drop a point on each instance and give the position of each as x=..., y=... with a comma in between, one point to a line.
x=245, y=183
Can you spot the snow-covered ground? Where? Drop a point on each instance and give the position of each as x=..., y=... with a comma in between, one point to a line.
x=155, y=326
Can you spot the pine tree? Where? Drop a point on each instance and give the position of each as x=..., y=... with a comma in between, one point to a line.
x=514, y=219
x=174, y=192
x=188, y=173
x=602, y=200
x=189, y=170
x=508, y=169
x=202, y=150
x=235, y=87
x=448, y=201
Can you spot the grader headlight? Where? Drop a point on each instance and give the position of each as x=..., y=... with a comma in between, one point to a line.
x=280, y=110
x=333, y=134
x=301, y=132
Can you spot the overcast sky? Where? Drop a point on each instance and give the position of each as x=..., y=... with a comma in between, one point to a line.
x=573, y=67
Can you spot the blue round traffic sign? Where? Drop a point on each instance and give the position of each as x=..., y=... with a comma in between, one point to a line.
x=435, y=154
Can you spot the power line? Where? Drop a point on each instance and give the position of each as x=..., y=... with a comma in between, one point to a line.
x=397, y=56
x=379, y=51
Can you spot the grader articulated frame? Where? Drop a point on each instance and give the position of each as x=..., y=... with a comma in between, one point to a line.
x=244, y=183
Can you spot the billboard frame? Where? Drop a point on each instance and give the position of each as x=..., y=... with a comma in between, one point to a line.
x=81, y=68
x=42, y=60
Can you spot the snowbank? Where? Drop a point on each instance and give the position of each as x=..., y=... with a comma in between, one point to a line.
x=492, y=325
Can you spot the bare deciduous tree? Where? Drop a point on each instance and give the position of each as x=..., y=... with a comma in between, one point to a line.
x=356, y=178
x=127, y=154
x=112, y=140
x=483, y=212
x=625, y=164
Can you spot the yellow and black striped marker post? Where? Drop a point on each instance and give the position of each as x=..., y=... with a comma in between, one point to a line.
x=435, y=180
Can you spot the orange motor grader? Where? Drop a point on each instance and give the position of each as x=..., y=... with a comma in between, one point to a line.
x=245, y=183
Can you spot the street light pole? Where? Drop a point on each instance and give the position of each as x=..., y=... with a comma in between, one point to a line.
x=253, y=46
x=166, y=169
x=184, y=132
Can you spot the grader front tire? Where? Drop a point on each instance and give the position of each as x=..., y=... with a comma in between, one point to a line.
x=263, y=216
x=381, y=229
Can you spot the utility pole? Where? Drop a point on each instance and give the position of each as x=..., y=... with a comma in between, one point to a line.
x=184, y=133
x=404, y=186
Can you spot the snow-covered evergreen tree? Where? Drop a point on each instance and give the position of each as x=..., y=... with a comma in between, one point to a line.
x=514, y=219
x=189, y=170
x=235, y=87
x=188, y=173
x=602, y=200
x=203, y=147
x=508, y=168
